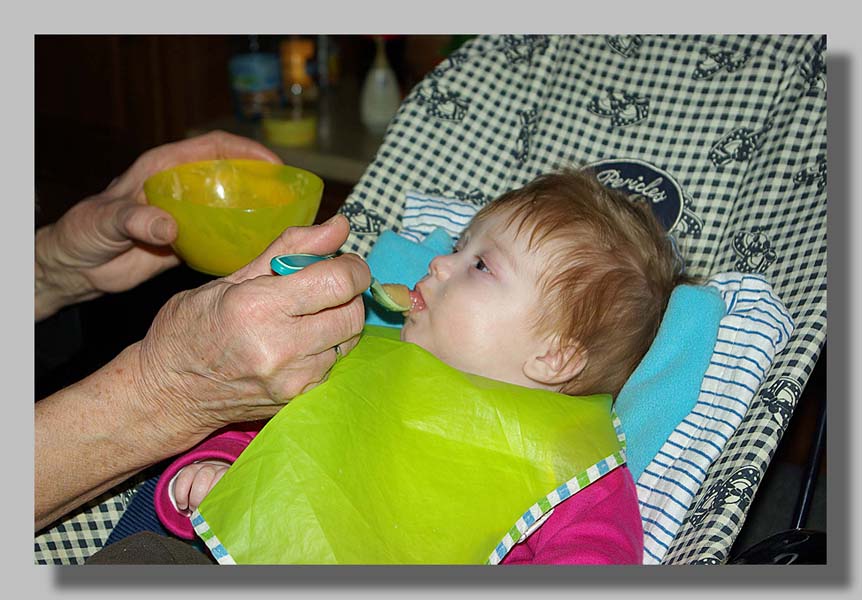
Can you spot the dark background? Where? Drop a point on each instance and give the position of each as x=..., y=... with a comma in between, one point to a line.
x=103, y=100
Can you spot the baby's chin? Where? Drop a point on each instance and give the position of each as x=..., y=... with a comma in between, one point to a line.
x=408, y=332
x=413, y=334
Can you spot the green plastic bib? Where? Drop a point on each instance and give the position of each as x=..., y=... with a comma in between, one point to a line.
x=399, y=458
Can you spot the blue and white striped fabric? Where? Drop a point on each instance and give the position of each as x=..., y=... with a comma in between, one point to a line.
x=216, y=548
x=756, y=327
x=423, y=213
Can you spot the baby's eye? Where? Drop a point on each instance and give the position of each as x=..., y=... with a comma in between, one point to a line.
x=480, y=265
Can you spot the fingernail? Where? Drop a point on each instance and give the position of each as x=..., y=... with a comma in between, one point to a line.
x=160, y=229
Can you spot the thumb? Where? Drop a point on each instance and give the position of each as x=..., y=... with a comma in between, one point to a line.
x=145, y=223
x=325, y=238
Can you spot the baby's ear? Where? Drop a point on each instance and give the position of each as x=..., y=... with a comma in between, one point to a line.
x=557, y=362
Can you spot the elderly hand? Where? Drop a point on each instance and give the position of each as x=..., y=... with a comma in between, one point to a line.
x=238, y=348
x=235, y=349
x=114, y=241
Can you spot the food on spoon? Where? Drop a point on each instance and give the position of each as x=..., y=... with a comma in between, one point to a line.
x=400, y=296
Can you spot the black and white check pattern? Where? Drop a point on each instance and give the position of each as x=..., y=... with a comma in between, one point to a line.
x=739, y=121
x=76, y=538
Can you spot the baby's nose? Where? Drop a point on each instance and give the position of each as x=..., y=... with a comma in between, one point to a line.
x=439, y=266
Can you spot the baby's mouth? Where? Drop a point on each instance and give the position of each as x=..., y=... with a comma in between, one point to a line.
x=417, y=301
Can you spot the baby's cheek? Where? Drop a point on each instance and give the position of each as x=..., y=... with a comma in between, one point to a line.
x=467, y=338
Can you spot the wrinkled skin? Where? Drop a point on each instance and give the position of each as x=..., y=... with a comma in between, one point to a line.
x=235, y=349
x=114, y=240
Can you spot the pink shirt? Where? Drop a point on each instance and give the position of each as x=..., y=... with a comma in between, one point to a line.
x=600, y=525
x=226, y=445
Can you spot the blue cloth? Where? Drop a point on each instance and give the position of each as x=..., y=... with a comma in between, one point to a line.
x=140, y=515
x=395, y=259
x=666, y=384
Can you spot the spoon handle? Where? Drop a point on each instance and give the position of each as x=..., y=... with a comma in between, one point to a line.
x=287, y=264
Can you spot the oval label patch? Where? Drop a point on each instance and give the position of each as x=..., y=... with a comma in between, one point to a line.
x=658, y=187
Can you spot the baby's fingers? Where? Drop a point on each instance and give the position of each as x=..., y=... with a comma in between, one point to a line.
x=207, y=476
x=183, y=484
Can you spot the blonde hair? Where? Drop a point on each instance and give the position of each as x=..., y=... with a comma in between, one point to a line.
x=610, y=270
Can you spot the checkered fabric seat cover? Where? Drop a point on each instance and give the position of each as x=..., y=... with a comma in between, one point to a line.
x=73, y=540
x=738, y=123
x=727, y=132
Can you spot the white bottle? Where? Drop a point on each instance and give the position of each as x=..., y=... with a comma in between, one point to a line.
x=380, y=95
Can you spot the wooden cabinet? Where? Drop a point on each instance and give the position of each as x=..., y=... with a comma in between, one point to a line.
x=102, y=100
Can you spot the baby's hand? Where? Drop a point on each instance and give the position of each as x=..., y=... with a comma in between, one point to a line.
x=194, y=482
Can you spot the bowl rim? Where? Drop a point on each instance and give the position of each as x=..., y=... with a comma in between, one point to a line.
x=316, y=182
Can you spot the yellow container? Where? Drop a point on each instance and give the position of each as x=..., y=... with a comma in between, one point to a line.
x=283, y=129
x=229, y=211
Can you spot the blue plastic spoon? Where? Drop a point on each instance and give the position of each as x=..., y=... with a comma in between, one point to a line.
x=287, y=264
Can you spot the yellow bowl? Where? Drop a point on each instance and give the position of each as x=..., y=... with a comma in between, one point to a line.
x=229, y=211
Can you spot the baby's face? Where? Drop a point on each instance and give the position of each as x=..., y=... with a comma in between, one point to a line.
x=479, y=303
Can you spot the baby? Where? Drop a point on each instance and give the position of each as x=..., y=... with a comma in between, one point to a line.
x=559, y=285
